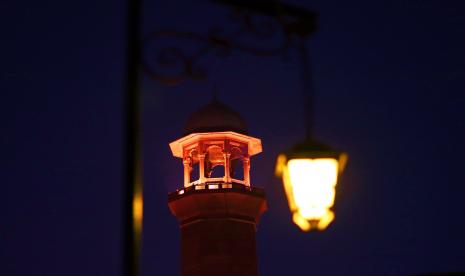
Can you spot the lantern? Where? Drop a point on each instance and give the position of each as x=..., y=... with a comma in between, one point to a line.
x=310, y=172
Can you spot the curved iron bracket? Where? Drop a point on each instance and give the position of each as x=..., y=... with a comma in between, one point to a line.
x=261, y=29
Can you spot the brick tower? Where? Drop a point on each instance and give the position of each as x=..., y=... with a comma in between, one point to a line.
x=217, y=209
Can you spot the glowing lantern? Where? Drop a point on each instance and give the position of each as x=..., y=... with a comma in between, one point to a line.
x=310, y=173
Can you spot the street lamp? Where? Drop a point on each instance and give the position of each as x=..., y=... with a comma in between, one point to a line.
x=310, y=172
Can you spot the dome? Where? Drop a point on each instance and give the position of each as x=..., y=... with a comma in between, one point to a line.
x=215, y=117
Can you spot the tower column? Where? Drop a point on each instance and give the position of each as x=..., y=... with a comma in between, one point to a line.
x=187, y=176
x=246, y=164
x=202, y=168
x=227, y=167
x=218, y=222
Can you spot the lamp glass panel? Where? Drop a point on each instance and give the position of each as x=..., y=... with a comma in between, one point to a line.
x=313, y=184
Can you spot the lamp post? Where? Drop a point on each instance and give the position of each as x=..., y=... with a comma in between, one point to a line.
x=132, y=183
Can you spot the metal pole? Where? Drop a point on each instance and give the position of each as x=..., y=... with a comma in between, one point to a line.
x=306, y=89
x=132, y=186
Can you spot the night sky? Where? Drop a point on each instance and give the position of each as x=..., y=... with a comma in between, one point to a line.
x=389, y=78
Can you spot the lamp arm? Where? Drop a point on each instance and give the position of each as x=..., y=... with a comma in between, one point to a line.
x=307, y=90
x=271, y=26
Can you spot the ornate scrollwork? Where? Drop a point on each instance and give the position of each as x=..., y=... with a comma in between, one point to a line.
x=259, y=34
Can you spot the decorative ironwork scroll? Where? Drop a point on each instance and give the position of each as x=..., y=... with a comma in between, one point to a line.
x=261, y=28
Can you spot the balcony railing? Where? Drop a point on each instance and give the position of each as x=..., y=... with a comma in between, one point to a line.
x=216, y=180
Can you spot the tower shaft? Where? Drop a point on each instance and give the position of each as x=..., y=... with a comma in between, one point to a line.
x=218, y=229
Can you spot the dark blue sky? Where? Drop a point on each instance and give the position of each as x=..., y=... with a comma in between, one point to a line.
x=390, y=84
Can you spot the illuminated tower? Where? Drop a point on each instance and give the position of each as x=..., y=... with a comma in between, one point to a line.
x=217, y=209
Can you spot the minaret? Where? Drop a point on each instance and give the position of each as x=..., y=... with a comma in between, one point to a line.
x=217, y=209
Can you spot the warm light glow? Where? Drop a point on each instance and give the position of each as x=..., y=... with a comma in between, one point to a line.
x=310, y=189
x=138, y=211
